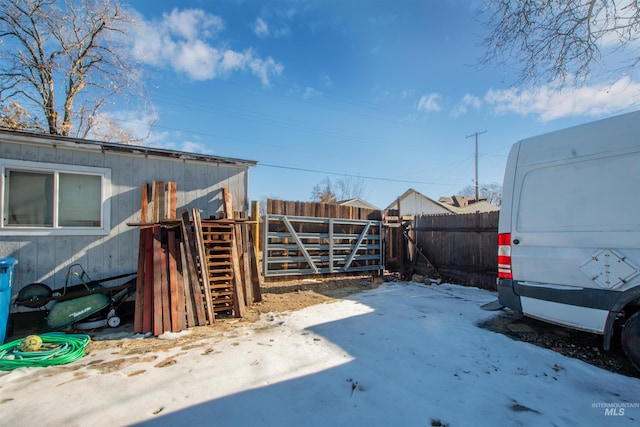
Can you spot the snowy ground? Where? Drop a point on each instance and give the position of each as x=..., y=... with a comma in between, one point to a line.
x=402, y=354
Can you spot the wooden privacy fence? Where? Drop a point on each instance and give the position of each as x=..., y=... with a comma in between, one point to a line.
x=462, y=248
x=320, y=210
x=458, y=248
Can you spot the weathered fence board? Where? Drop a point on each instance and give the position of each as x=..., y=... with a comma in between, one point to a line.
x=320, y=210
x=463, y=248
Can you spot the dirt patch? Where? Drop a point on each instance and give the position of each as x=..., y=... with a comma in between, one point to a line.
x=295, y=295
x=277, y=297
x=568, y=342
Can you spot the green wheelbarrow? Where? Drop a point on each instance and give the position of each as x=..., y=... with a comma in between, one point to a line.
x=83, y=302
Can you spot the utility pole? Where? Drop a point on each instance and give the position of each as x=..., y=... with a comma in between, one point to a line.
x=476, y=157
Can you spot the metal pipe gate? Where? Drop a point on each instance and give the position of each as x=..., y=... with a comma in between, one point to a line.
x=300, y=245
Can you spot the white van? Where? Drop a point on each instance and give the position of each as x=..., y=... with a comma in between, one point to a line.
x=569, y=229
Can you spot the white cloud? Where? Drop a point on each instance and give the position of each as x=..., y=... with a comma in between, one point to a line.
x=274, y=23
x=193, y=23
x=550, y=103
x=310, y=92
x=430, y=102
x=162, y=141
x=472, y=101
x=264, y=68
x=197, y=59
x=232, y=60
x=181, y=40
x=175, y=141
x=260, y=28
x=194, y=147
x=148, y=44
x=467, y=101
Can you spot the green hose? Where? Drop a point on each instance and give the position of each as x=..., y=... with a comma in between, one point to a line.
x=57, y=348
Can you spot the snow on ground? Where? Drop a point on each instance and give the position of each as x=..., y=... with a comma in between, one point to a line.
x=402, y=354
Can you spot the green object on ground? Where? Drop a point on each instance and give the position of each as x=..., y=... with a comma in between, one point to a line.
x=57, y=348
x=66, y=313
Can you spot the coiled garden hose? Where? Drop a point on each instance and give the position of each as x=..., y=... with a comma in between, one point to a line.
x=57, y=348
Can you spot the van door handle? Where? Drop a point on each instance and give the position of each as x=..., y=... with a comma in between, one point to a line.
x=516, y=241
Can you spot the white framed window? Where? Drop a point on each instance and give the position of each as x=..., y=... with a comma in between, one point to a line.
x=47, y=198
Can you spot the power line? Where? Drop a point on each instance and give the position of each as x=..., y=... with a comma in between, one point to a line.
x=377, y=178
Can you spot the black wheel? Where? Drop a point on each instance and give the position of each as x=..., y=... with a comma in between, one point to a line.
x=631, y=339
x=31, y=295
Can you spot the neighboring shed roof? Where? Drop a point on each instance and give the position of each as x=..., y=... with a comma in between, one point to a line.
x=357, y=203
x=140, y=150
x=481, y=206
x=448, y=204
x=468, y=204
x=411, y=191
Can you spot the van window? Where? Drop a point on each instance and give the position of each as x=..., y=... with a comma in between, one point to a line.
x=581, y=196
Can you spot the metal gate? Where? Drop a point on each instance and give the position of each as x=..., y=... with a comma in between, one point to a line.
x=300, y=245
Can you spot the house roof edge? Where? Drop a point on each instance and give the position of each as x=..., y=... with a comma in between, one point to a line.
x=37, y=138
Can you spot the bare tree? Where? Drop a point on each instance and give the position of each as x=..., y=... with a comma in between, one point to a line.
x=350, y=187
x=560, y=39
x=65, y=59
x=14, y=116
x=491, y=192
x=345, y=188
x=323, y=192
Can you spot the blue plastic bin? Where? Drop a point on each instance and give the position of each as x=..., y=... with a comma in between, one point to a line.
x=6, y=280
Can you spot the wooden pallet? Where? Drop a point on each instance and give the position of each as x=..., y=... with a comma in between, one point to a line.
x=218, y=239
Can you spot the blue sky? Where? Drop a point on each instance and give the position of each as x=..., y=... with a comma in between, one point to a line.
x=383, y=90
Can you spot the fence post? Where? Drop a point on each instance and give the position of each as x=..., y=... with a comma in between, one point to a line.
x=255, y=225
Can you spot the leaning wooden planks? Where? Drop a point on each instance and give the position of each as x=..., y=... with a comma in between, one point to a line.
x=170, y=296
x=163, y=199
x=191, y=270
x=163, y=275
x=197, y=297
x=244, y=265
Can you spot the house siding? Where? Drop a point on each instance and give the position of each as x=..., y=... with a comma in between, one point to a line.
x=46, y=258
x=413, y=203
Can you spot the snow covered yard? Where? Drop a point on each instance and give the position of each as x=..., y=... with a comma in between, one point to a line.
x=401, y=354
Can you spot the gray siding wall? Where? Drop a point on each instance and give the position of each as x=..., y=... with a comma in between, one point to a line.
x=46, y=258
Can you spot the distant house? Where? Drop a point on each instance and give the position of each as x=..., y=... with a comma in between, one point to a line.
x=357, y=203
x=468, y=204
x=415, y=203
x=412, y=202
x=66, y=200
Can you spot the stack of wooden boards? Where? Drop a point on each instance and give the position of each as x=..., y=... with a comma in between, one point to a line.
x=191, y=270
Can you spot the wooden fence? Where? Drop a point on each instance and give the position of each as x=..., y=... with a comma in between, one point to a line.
x=320, y=210
x=462, y=248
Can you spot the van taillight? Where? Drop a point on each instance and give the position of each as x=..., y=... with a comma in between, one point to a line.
x=504, y=256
